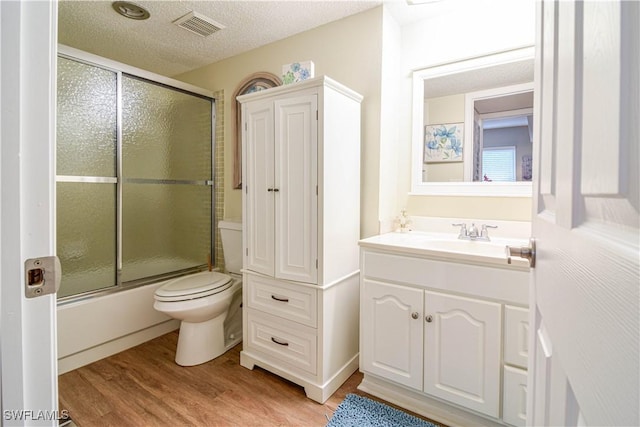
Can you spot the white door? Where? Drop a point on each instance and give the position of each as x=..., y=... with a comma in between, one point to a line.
x=462, y=343
x=28, y=37
x=296, y=177
x=585, y=361
x=259, y=186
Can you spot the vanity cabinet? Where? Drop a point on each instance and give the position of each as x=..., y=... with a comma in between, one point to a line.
x=445, y=339
x=445, y=345
x=301, y=226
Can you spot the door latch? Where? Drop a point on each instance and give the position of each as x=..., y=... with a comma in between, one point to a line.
x=526, y=252
x=42, y=276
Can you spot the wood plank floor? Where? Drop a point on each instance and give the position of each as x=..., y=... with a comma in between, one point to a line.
x=143, y=386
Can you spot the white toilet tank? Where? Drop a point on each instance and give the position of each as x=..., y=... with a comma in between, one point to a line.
x=231, y=235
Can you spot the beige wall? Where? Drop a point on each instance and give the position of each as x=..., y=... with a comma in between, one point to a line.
x=351, y=52
x=348, y=51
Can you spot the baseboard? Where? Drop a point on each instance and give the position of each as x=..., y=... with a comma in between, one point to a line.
x=422, y=404
x=93, y=354
x=337, y=380
x=314, y=391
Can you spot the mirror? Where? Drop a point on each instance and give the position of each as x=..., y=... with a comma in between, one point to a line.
x=472, y=126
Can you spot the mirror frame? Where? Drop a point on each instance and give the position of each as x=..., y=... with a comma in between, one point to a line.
x=486, y=189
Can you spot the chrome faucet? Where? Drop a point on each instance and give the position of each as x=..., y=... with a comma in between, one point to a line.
x=484, y=233
x=472, y=233
x=463, y=230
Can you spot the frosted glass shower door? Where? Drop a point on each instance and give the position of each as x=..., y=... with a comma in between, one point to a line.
x=86, y=177
x=166, y=179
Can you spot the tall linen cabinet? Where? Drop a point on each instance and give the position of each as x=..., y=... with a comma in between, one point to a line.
x=301, y=226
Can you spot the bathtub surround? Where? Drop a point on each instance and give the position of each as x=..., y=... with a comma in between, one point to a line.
x=91, y=329
x=134, y=176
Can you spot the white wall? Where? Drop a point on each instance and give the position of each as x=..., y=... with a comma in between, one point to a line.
x=390, y=124
x=473, y=28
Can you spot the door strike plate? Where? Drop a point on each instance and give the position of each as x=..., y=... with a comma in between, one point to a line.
x=42, y=276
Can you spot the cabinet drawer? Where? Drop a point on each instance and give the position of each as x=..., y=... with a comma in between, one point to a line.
x=297, y=303
x=473, y=280
x=514, y=396
x=287, y=341
x=516, y=336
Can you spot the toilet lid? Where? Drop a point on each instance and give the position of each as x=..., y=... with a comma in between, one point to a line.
x=202, y=284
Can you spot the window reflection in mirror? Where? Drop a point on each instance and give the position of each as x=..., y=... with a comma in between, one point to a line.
x=502, y=137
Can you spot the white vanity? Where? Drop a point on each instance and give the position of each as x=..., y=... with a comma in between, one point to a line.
x=444, y=326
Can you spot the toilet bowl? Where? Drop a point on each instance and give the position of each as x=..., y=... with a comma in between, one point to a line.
x=208, y=304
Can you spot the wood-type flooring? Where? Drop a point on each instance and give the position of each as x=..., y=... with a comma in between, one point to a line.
x=143, y=386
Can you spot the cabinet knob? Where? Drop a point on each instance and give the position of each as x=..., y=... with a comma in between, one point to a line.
x=415, y=315
x=429, y=318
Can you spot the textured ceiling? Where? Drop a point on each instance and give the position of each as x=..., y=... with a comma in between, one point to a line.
x=480, y=79
x=159, y=46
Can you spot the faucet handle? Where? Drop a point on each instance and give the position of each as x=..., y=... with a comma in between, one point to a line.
x=463, y=228
x=484, y=232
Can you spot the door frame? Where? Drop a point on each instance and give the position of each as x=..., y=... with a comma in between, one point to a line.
x=28, y=348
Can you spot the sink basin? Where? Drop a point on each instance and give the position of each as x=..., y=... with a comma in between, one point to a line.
x=447, y=245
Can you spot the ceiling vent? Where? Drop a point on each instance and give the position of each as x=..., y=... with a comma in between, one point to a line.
x=199, y=24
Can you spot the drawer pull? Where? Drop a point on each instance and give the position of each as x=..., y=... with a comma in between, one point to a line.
x=279, y=342
x=280, y=299
x=429, y=318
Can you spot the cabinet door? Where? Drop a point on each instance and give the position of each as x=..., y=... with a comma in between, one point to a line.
x=259, y=183
x=516, y=336
x=462, y=351
x=296, y=177
x=391, y=325
x=514, y=400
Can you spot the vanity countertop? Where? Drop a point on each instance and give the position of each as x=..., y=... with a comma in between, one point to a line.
x=447, y=247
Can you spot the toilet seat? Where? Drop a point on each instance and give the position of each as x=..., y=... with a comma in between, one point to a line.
x=204, y=286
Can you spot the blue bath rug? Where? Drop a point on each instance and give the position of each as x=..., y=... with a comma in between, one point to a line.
x=359, y=411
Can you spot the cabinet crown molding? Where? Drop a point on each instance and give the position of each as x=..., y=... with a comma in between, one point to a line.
x=296, y=87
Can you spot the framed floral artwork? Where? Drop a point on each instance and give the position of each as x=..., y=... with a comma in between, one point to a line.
x=297, y=72
x=443, y=142
x=253, y=83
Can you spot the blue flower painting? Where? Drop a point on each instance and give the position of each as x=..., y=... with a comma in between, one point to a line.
x=297, y=72
x=443, y=143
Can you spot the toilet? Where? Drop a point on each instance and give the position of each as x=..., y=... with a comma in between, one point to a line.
x=208, y=304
